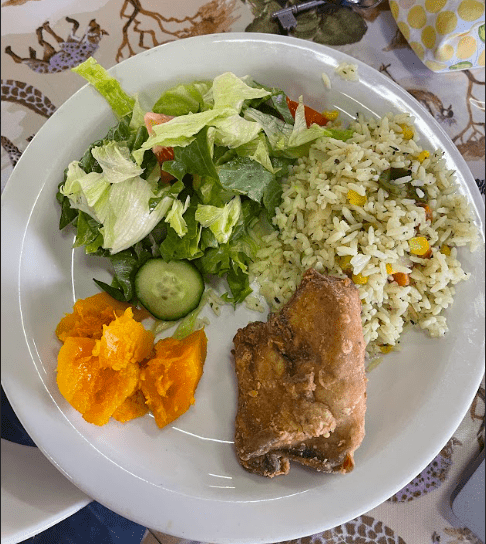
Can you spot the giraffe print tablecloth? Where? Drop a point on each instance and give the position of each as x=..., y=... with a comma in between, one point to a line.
x=43, y=39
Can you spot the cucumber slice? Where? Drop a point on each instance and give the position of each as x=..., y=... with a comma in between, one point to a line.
x=169, y=290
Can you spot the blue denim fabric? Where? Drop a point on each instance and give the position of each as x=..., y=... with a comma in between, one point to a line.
x=11, y=427
x=93, y=524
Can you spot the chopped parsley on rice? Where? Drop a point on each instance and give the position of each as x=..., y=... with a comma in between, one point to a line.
x=337, y=216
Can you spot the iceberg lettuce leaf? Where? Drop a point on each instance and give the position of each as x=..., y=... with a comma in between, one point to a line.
x=277, y=131
x=183, y=99
x=258, y=150
x=180, y=131
x=230, y=91
x=129, y=217
x=115, y=161
x=87, y=233
x=220, y=220
x=138, y=114
x=235, y=131
x=175, y=216
x=86, y=192
x=109, y=87
x=292, y=140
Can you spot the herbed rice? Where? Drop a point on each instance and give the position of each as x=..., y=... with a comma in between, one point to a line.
x=326, y=80
x=348, y=71
x=317, y=227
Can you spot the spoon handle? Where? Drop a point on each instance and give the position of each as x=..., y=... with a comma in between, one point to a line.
x=306, y=5
x=286, y=16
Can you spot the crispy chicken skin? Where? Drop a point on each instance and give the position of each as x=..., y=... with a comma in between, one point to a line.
x=301, y=381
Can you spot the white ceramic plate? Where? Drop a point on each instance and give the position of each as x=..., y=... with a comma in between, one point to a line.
x=35, y=496
x=185, y=480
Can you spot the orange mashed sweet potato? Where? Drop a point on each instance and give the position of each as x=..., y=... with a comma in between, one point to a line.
x=123, y=341
x=108, y=365
x=90, y=314
x=169, y=380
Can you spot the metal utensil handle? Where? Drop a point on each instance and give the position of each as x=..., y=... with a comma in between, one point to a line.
x=307, y=5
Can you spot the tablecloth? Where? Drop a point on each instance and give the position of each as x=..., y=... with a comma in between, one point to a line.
x=43, y=39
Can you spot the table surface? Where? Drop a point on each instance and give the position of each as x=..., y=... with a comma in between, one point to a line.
x=43, y=39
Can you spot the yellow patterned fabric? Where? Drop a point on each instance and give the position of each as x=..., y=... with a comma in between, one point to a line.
x=445, y=34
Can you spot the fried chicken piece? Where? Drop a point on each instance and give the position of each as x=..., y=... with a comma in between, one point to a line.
x=301, y=381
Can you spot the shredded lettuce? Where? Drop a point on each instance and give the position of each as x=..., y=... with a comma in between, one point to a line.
x=257, y=150
x=220, y=221
x=180, y=131
x=121, y=207
x=175, y=216
x=114, y=159
x=233, y=140
x=86, y=192
x=183, y=99
x=230, y=91
x=129, y=218
x=234, y=131
x=227, y=95
x=138, y=115
x=109, y=87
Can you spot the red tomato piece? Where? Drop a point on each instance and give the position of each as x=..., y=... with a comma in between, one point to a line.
x=152, y=119
x=311, y=115
x=161, y=152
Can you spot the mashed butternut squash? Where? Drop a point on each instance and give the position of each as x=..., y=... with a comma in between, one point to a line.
x=108, y=365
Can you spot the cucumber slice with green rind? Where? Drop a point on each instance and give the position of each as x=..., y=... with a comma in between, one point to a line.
x=169, y=290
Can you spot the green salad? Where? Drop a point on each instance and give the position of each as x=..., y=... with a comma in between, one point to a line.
x=191, y=181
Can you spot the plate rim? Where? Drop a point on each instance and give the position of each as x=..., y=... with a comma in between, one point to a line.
x=75, y=499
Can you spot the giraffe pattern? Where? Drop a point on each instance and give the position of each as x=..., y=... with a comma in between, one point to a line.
x=147, y=28
x=482, y=189
x=26, y=95
x=431, y=477
x=454, y=535
x=476, y=411
x=73, y=50
x=470, y=141
x=12, y=150
x=428, y=99
x=362, y=530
